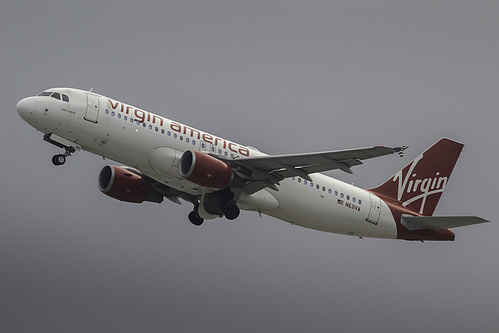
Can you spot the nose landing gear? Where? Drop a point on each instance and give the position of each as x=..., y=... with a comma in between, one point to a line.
x=60, y=159
x=68, y=146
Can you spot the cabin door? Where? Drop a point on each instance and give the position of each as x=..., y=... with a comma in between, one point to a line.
x=92, y=108
x=374, y=209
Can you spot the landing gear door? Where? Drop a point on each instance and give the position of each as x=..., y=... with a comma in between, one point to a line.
x=374, y=209
x=92, y=108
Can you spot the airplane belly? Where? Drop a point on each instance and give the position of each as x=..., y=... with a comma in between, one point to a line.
x=313, y=209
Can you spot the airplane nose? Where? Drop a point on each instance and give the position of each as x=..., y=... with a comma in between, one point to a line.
x=26, y=107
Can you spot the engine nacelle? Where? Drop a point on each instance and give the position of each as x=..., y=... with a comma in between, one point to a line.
x=124, y=185
x=205, y=170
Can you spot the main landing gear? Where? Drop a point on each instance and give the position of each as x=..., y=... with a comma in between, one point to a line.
x=195, y=219
x=231, y=211
x=212, y=206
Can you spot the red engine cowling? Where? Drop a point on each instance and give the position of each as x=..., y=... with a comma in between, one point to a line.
x=205, y=170
x=124, y=185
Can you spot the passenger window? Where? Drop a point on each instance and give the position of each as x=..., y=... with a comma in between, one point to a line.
x=56, y=95
x=65, y=98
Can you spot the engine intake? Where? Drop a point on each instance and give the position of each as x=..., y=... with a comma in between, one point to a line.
x=124, y=185
x=205, y=170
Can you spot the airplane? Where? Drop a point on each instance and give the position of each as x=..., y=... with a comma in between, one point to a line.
x=161, y=158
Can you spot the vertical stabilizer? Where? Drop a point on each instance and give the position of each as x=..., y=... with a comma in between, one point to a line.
x=419, y=185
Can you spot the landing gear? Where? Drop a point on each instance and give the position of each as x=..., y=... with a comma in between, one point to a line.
x=231, y=211
x=195, y=219
x=68, y=146
x=214, y=205
x=60, y=159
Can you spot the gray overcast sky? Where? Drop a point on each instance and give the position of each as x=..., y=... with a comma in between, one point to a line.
x=285, y=76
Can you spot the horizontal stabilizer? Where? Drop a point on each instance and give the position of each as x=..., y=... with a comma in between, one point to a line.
x=439, y=222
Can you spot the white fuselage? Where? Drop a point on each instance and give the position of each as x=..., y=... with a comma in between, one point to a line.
x=153, y=145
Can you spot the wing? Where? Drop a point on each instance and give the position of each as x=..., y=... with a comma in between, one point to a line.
x=267, y=171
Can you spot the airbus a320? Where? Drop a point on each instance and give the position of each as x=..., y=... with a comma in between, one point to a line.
x=161, y=158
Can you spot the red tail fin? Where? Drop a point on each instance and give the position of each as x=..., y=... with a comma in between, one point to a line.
x=419, y=185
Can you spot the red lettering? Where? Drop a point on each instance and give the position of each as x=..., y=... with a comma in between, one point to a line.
x=140, y=115
x=114, y=106
x=208, y=138
x=154, y=119
x=244, y=151
x=175, y=127
x=230, y=148
x=192, y=132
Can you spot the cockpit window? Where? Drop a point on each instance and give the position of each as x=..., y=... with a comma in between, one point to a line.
x=56, y=95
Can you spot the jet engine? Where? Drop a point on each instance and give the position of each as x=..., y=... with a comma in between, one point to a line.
x=124, y=185
x=205, y=170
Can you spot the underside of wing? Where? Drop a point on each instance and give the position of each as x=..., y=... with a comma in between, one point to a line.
x=267, y=171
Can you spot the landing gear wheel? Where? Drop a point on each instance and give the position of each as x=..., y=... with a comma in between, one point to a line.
x=195, y=219
x=59, y=159
x=231, y=212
